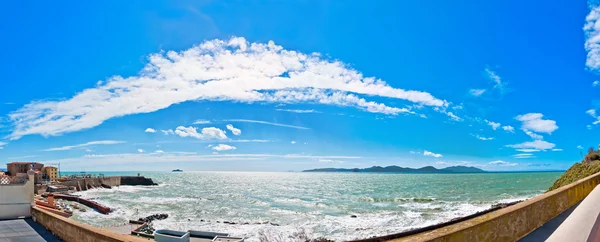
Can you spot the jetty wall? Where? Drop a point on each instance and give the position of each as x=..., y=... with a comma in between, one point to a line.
x=83, y=184
x=70, y=230
x=510, y=223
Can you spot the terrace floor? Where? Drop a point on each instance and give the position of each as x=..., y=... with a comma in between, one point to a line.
x=24, y=230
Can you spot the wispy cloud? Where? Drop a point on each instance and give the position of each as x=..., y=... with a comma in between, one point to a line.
x=502, y=163
x=536, y=144
x=223, y=147
x=557, y=149
x=494, y=125
x=524, y=156
x=528, y=150
x=234, y=130
x=2, y=144
x=429, y=153
x=298, y=110
x=264, y=122
x=592, y=113
x=482, y=137
x=496, y=79
x=216, y=70
x=595, y=83
x=100, y=142
x=331, y=161
x=476, y=92
x=202, y=121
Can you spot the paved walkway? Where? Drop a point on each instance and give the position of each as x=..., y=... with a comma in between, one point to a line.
x=24, y=230
x=542, y=233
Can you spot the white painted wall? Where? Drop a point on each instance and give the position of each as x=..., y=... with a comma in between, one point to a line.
x=16, y=199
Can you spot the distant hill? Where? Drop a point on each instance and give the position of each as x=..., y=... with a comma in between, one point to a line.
x=397, y=169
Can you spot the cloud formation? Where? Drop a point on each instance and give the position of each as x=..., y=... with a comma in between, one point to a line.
x=150, y=130
x=223, y=147
x=100, y=142
x=234, y=130
x=502, y=163
x=508, y=128
x=536, y=123
x=494, y=125
x=216, y=70
x=298, y=110
x=429, y=153
x=482, y=137
x=536, y=144
x=592, y=38
x=264, y=122
x=201, y=121
x=205, y=133
x=476, y=92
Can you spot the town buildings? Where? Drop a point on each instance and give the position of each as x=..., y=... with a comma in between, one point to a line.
x=41, y=173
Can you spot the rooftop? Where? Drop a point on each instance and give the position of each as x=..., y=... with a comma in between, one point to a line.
x=24, y=230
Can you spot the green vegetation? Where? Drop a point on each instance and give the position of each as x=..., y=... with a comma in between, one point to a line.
x=589, y=166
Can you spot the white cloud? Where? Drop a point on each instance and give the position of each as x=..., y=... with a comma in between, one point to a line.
x=140, y=151
x=216, y=70
x=264, y=122
x=293, y=142
x=298, y=110
x=592, y=38
x=2, y=144
x=498, y=83
x=524, y=156
x=159, y=151
x=557, y=149
x=428, y=153
x=206, y=133
x=481, y=137
x=234, y=131
x=502, y=163
x=443, y=110
x=528, y=150
x=167, y=132
x=536, y=144
x=580, y=147
x=100, y=142
x=592, y=113
x=201, y=121
x=223, y=147
x=508, y=128
x=595, y=83
x=535, y=123
x=476, y=92
x=442, y=163
x=494, y=125
x=88, y=150
x=150, y=130
x=331, y=161
x=208, y=146
x=533, y=135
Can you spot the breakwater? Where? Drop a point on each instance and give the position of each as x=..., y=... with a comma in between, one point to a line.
x=83, y=184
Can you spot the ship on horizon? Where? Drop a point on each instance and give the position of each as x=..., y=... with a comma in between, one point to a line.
x=177, y=170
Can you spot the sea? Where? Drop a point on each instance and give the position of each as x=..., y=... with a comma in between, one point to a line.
x=337, y=206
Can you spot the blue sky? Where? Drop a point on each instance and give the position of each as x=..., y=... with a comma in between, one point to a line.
x=274, y=86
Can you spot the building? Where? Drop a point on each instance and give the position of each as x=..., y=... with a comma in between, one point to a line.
x=15, y=168
x=50, y=172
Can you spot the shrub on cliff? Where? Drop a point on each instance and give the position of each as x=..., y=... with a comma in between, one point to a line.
x=578, y=171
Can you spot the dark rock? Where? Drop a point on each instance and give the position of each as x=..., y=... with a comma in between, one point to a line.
x=274, y=224
x=353, y=216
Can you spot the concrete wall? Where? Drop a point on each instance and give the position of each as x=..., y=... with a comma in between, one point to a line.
x=70, y=230
x=514, y=222
x=83, y=184
x=16, y=199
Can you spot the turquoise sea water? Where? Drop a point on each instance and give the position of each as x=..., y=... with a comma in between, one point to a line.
x=321, y=203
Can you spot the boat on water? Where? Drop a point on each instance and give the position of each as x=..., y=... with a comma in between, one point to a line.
x=177, y=170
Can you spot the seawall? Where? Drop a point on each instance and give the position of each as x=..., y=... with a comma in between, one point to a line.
x=83, y=184
x=510, y=223
x=70, y=230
